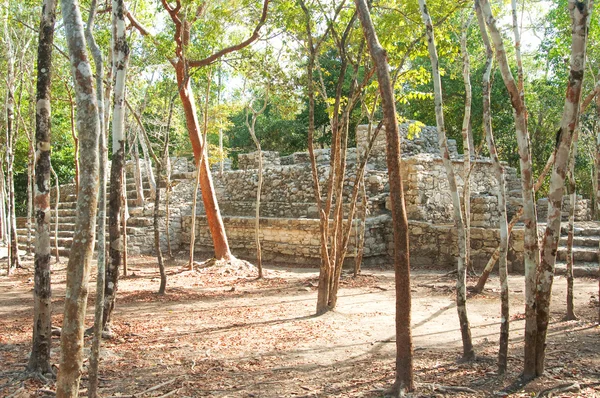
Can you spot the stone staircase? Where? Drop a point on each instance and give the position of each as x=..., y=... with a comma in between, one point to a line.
x=67, y=216
x=586, y=238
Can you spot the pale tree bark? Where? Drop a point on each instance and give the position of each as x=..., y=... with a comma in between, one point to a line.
x=461, y=288
x=74, y=135
x=39, y=360
x=531, y=252
x=580, y=16
x=496, y=254
x=103, y=176
x=467, y=139
x=570, y=316
x=404, y=381
x=3, y=228
x=597, y=193
x=13, y=244
x=159, y=255
x=137, y=174
x=116, y=246
x=30, y=169
x=80, y=257
x=251, y=126
x=193, y=219
x=149, y=170
x=501, y=195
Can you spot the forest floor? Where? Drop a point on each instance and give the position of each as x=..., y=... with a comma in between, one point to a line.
x=223, y=335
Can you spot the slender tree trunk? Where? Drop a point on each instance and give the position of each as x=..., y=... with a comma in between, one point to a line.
x=531, y=243
x=103, y=150
x=75, y=137
x=159, y=255
x=461, y=289
x=324, y=270
x=515, y=219
x=167, y=161
x=137, y=174
x=572, y=205
x=39, y=360
x=3, y=228
x=56, y=217
x=124, y=217
x=149, y=171
x=404, y=369
x=467, y=142
x=13, y=249
x=116, y=246
x=499, y=171
x=580, y=22
x=251, y=126
x=80, y=257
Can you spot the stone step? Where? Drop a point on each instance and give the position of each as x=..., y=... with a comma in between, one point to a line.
x=580, y=254
x=580, y=269
x=586, y=241
x=582, y=230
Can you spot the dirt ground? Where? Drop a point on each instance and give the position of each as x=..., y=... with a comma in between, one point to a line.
x=215, y=335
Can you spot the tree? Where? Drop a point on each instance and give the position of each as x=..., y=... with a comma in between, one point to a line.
x=39, y=360
x=404, y=371
x=120, y=52
x=183, y=65
x=461, y=288
x=251, y=125
x=499, y=171
x=580, y=16
x=531, y=246
x=103, y=175
x=80, y=258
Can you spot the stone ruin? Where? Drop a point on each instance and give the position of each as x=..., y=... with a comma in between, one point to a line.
x=289, y=219
x=289, y=226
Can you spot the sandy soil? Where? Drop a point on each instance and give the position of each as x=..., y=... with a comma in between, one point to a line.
x=228, y=336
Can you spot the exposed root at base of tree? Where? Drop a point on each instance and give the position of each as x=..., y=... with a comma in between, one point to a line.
x=230, y=267
x=561, y=388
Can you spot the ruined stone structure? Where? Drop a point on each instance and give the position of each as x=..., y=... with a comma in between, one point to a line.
x=289, y=219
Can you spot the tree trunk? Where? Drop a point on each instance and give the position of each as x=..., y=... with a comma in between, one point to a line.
x=80, y=257
x=149, y=171
x=466, y=136
x=56, y=217
x=137, y=174
x=39, y=360
x=3, y=233
x=404, y=369
x=75, y=138
x=161, y=264
x=213, y=215
x=13, y=249
x=116, y=246
x=124, y=216
x=572, y=206
x=103, y=150
x=580, y=23
x=531, y=243
x=499, y=171
x=251, y=126
x=494, y=257
x=461, y=289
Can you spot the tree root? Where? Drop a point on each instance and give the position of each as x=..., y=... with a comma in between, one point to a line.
x=227, y=267
x=559, y=389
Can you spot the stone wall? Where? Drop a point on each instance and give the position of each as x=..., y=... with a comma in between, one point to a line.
x=583, y=209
